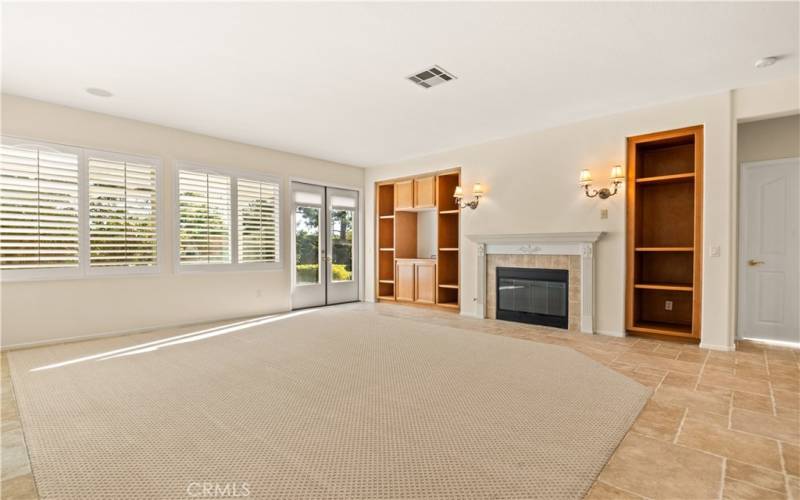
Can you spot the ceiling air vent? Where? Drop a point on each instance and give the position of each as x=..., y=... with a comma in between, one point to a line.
x=431, y=77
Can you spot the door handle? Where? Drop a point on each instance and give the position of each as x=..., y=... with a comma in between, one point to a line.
x=753, y=262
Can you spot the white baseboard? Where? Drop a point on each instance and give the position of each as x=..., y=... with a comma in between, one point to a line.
x=120, y=333
x=717, y=347
x=468, y=314
x=611, y=333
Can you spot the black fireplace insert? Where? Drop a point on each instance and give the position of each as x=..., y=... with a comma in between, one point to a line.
x=536, y=296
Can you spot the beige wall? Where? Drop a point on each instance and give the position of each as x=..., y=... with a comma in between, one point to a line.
x=531, y=183
x=41, y=311
x=769, y=139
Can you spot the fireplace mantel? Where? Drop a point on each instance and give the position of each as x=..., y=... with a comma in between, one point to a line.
x=573, y=243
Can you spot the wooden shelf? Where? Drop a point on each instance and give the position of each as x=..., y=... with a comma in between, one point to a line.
x=446, y=285
x=386, y=297
x=664, y=286
x=664, y=249
x=387, y=216
x=445, y=212
x=387, y=249
x=664, y=198
x=386, y=281
x=449, y=249
x=662, y=329
x=453, y=305
x=664, y=179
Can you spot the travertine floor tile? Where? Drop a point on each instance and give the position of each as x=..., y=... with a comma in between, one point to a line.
x=738, y=490
x=752, y=402
x=641, y=465
x=19, y=488
x=755, y=475
x=695, y=400
x=603, y=491
x=659, y=421
x=675, y=379
x=791, y=458
x=782, y=429
x=732, y=444
x=735, y=383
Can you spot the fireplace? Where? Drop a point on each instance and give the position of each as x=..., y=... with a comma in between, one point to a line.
x=536, y=296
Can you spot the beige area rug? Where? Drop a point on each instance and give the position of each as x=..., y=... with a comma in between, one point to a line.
x=332, y=403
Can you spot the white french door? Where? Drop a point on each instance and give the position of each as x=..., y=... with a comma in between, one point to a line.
x=769, y=283
x=325, y=265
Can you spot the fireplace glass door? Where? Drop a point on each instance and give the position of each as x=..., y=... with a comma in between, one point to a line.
x=536, y=296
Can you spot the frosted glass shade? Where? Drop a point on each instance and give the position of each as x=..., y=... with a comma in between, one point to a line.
x=617, y=174
x=585, y=178
x=458, y=193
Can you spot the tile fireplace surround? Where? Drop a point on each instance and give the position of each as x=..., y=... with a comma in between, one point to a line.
x=572, y=251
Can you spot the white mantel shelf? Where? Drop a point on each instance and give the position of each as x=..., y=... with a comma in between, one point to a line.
x=535, y=238
x=573, y=243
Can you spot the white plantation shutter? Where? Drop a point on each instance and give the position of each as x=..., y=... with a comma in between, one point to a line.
x=258, y=204
x=123, y=209
x=39, y=207
x=205, y=217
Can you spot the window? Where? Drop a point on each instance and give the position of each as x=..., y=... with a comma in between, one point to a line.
x=66, y=212
x=257, y=204
x=123, y=209
x=225, y=219
x=205, y=217
x=39, y=207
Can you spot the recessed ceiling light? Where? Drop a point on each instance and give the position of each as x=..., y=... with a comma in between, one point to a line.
x=766, y=61
x=99, y=92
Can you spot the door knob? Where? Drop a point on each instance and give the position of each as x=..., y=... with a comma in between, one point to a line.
x=753, y=262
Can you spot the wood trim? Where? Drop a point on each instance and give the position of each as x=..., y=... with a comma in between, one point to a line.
x=650, y=249
x=697, y=302
x=404, y=236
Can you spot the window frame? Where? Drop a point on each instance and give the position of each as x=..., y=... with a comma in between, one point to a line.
x=54, y=273
x=83, y=269
x=160, y=227
x=234, y=174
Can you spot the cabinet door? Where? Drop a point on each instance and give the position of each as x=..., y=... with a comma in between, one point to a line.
x=404, y=195
x=425, y=192
x=425, y=282
x=404, y=281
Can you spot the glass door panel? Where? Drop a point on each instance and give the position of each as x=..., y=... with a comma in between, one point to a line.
x=342, y=206
x=310, y=267
x=342, y=244
x=307, y=247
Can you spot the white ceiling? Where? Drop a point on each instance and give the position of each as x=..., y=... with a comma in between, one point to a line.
x=328, y=80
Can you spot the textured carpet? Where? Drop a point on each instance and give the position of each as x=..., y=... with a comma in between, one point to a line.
x=333, y=403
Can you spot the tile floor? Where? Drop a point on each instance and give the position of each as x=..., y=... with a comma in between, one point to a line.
x=719, y=425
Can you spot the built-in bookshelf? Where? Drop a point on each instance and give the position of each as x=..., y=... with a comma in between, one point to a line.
x=418, y=240
x=664, y=233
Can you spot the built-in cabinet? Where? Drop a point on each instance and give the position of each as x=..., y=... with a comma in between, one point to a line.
x=664, y=233
x=417, y=240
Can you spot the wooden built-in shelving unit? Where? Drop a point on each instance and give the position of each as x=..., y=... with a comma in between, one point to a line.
x=664, y=233
x=403, y=207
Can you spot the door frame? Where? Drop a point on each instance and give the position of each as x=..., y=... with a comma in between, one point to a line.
x=739, y=264
x=290, y=231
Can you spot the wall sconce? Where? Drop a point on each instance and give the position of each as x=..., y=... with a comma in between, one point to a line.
x=477, y=192
x=617, y=176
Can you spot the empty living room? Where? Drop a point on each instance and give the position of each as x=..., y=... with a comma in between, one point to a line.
x=400, y=250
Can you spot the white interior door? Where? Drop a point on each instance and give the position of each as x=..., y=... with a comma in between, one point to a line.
x=325, y=263
x=769, y=284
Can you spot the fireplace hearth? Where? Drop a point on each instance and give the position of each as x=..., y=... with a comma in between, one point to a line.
x=535, y=296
